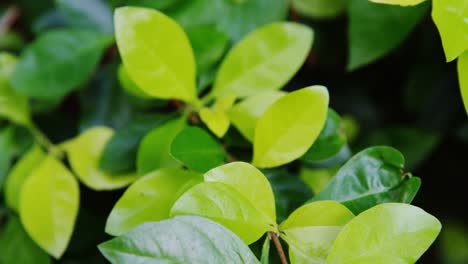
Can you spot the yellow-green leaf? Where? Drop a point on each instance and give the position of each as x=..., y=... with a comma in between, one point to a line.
x=312, y=228
x=156, y=53
x=290, y=126
x=19, y=173
x=264, y=60
x=84, y=153
x=386, y=233
x=450, y=17
x=223, y=204
x=215, y=117
x=248, y=181
x=244, y=115
x=463, y=77
x=49, y=204
x=399, y=2
x=149, y=199
x=129, y=85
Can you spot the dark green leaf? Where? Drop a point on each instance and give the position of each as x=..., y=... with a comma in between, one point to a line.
x=90, y=14
x=197, y=149
x=183, y=239
x=7, y=152
x=52, y=19
x=376, y=29
x=58, y=62
x=17, y=247
x=371, y=177
x=121, y=151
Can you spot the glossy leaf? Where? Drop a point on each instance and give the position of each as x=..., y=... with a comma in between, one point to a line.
x=264, y=60
x=462, y=66
x=320, y=9
x=161, y=68
x=58, y=62
x=330, y=141
x=450, y=18
x=225, y=205
x=120, y=153
x=197, y=150
x=84, y=153
x=19, y=173
x=49, y=206
x=384, y=32
x=91, y=14
x=371, y=177
x=244, y=115
x=248, y=181
x=149, y=199
x=311, y=230
x=183, y=239
x=399, y=2
x=13, y=105
x=290, y=126
x=216, y=117
x=17, y=247
x=397, y=232
x=154, y=149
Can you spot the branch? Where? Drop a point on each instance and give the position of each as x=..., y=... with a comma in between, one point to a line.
x=279, y=248
x=8, y=19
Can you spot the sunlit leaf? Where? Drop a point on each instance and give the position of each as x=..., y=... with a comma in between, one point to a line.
x=183, y=239
x=156, y=53
x=290, y=126
x=149, y=199
x=399, y=2
x=386, y=233
x=463, y=77
x=216, y=117
x=49, y=205
x=129, y=85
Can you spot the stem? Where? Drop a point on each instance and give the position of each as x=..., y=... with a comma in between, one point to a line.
x=8, y=19
x=42, y=140
x=279, y=248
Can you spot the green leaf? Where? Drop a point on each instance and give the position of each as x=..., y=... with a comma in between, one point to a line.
x=320, y=9
x=120, y=152
x=58, y=62
x=235, y=18
x=330, y=141
x=264, y=60
x=17, y=247
x=19, y=173
x=129, y=85
x=225, y=205
x=384, y=26
x=248, y=181
x=453, y=243
x=49, y=206
x=215, y=117
x=13, y=106
x=311, y=230
x=399, y=2
x=397, y=232
x=265, y=259
x=317, y=178
x=371, y=177
x=90, y=14
x=155, y=50
x=462, y=67
x=149, y=199
x=244, y=115
x=84, y=153
x=154, y=149
x=450, y=18
x=197, y=149
x=290, y=126
x=184, y=239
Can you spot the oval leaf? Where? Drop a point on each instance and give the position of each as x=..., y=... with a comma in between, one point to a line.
x=58, y=62
x=248, y=181
x=387, y=233
x=312, y=228
x=399, y=2
x=223, y=204
x=244, y=115
x=196, y=149
x=149, y=199
x=183, y=239
x=156, y=53
x=19, y=173
x=49, y=206
x=290, y=126
x=215, y=117
x=371, y=177
x=264, y=60
x=84, y=153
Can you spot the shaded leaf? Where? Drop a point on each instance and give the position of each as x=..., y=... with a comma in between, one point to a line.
x=320, y=9
x=90, y=14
